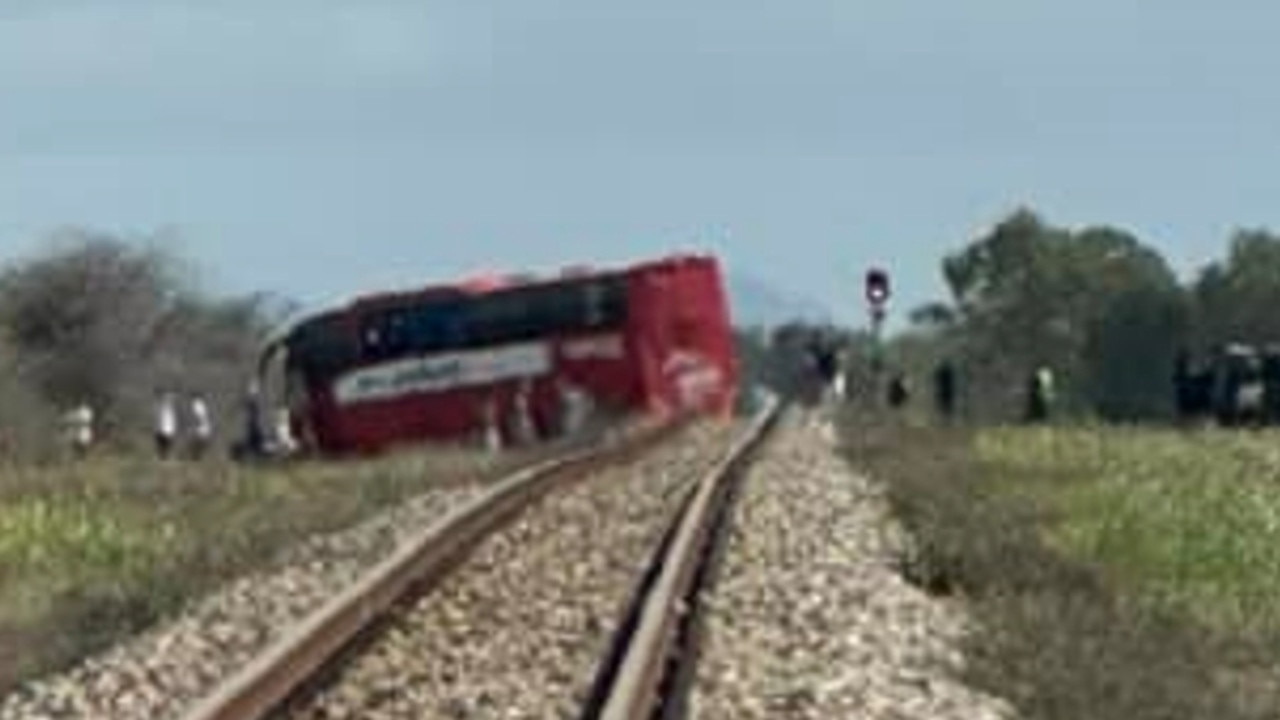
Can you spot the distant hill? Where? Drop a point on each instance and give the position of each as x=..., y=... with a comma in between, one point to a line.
x=754, y=301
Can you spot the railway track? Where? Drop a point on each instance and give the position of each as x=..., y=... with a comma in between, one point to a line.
x=650, y=665
x=396, y=643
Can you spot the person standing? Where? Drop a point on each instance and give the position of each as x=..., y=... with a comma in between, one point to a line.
x=572, y=406
x=286, y=445
x=491, y=426
x=201, y=426
x=1040, y=394
x=524, y=429
x=255, y=440
x=899, y=391
x=824, y=364
x=944, y=389
x=840, y=385
x=1182, y=397
x=80, y=431
x=166, y=425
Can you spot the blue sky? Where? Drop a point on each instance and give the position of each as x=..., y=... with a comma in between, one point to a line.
x=322, y=148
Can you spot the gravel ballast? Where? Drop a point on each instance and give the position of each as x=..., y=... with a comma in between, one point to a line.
x=809, y=617
x=160, y=672
x=519, y=629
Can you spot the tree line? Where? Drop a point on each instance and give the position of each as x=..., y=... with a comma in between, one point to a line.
x=111, y=321
x=1099, y=306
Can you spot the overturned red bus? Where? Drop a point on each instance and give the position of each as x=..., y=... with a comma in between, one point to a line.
x=445, y=362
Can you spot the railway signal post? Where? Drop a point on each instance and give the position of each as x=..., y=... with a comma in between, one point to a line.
x=878, y=290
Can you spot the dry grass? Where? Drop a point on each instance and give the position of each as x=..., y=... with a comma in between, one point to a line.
x=1114, y=573
x=93, y=551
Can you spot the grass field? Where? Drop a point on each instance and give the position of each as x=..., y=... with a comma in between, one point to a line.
x=1187, y=522
x=95, y=550
x=1114, y=572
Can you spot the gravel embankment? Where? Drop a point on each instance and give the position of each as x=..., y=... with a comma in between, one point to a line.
x=159, y=673
x=519, y=629
x=810, y=618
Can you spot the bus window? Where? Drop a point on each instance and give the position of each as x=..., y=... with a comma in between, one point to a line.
x=435, y=327
x=559, y=308
x=397, y=337
x=372, y=339
x=594, y=306
x=431, y=327
x=579, y=306
x=501, y=317
x=320, y=348
x=605, y=303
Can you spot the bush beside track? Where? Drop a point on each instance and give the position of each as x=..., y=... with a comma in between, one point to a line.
x=1114, y=573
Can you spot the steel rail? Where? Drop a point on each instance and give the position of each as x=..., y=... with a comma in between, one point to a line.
x=633, y=688
x=286, y=666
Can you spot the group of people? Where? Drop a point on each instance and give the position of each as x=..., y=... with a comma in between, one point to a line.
x=184, y=427
x=1039, y=397
x=831, y=379
x=190, y=425
x=517, y=422
x=196, y=425
x=945, y=390
x=264, y=437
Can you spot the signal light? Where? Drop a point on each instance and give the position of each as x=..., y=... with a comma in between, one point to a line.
x=878, y=290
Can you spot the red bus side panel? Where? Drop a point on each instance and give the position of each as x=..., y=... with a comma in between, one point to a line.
x=674, y=353
x=682, y=337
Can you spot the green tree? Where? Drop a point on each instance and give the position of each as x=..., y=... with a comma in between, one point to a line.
x=1028, y=293
x=1235, y=299
x=1129, y=355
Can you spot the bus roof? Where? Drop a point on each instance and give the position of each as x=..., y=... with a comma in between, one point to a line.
x=485, y=283
x=492, y=281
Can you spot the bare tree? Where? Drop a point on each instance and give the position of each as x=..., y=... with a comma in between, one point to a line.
x=99, y=319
